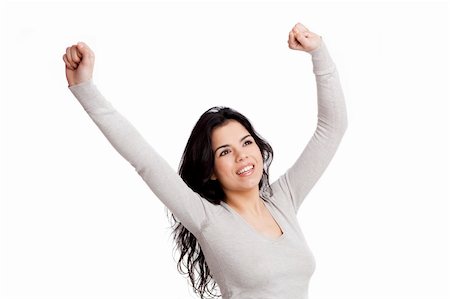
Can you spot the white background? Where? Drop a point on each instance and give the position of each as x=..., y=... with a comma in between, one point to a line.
x=78, y=222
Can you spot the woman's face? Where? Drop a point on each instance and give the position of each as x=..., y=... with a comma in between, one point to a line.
x=238, y=163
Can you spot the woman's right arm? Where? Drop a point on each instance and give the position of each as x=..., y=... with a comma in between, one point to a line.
x=167, y=185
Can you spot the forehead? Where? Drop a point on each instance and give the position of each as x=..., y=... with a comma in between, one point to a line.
x=232, y=131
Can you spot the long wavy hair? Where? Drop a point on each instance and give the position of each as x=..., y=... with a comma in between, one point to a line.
x=196, y=168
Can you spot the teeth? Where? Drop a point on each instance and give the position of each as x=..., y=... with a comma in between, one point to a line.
x=247, y=168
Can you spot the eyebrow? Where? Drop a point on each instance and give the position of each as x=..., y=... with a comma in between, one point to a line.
x=225, y=145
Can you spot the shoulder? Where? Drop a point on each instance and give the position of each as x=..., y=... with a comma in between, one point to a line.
x=281, y=195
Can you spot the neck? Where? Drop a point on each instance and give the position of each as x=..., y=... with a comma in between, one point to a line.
x=247, y=202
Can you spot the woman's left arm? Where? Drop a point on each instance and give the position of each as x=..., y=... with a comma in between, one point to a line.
x=331, y=120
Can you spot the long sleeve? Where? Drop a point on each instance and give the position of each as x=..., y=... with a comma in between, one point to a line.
x=297, y=182
x=167, y=185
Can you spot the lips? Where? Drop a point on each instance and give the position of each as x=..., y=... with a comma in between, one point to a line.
x=245, y=170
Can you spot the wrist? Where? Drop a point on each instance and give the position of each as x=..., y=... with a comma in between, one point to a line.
x=79, y=82
x=318, y=48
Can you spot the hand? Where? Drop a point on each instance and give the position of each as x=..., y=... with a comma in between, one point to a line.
x=79, y=61
x=300, y=38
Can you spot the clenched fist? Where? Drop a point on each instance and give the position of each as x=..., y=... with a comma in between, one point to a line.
x=79, y=61
x=300, y=38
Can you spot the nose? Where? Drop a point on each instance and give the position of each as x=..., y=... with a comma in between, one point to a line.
x=241, y=155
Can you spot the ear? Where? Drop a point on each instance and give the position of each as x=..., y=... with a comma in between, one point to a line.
x=213, y=177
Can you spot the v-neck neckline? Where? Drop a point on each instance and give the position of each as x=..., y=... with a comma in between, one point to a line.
x=256, y=232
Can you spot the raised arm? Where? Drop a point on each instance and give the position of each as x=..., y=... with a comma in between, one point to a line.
x=331, y=120
x=167, y=185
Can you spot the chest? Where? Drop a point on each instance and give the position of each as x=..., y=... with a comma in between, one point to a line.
x=265, y=225
x=238, y=253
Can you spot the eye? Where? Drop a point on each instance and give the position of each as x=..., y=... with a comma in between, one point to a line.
x=247, y=142
x=223, y=153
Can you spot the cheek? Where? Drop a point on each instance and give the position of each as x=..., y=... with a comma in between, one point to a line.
x=258, y=155
x=260, y=160
x=220, y=166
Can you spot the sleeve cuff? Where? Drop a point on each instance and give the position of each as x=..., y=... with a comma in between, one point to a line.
x=90, y=97
x=322, y=61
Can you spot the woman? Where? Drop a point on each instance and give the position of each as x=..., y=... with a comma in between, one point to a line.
x=232, y=226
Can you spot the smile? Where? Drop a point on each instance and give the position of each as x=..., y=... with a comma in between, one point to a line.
x=245, y=170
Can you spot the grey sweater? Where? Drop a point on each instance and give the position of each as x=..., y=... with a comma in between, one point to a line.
x=245, y=263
